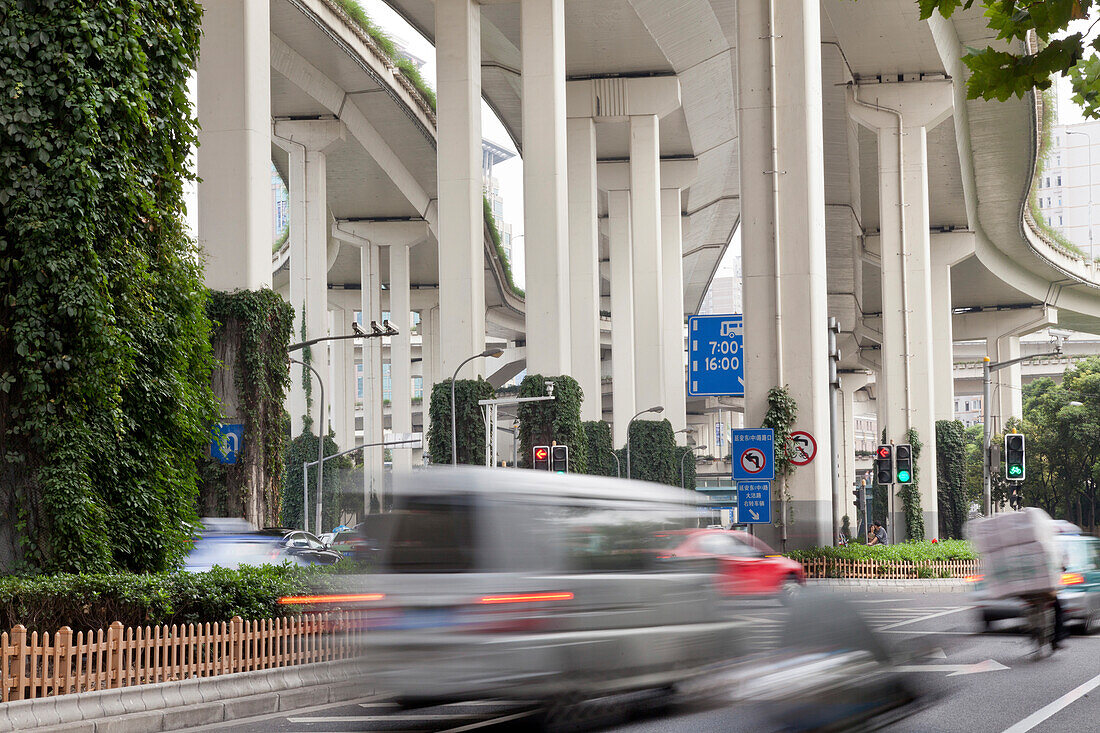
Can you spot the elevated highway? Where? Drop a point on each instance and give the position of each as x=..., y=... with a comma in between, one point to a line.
x=835, y=134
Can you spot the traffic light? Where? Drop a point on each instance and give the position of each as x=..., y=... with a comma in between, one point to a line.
x=559, y=458
x=541, y=455
x=1016, y=501
x=1014, y=457
x=903, y=463
x=884, y=464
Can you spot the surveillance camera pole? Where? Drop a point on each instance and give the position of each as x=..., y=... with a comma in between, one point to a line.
x=988, y=367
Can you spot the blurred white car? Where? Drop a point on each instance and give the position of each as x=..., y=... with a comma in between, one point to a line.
x=538, y=586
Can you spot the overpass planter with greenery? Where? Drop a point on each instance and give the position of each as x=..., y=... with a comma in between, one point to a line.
x=552, y=421
x=951, y=486
x=105, y=359
x=653, y=452
x=600, y=447
x=470, y=439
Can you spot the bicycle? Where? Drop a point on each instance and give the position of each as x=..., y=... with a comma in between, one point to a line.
x=1040, y=621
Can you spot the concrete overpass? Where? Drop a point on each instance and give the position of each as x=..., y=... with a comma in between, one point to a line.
x=836, y=135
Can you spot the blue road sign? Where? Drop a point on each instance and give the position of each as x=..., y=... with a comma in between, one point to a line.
x=227, y=442
x=754, y=502
x=715, y=345
x=753, y=452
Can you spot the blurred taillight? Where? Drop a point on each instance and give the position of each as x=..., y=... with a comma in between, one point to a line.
x=527, y=598
x=1072, y=579
x=339, y=598
x=974, y=578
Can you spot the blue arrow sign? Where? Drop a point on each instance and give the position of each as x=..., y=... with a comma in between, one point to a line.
x=227, y=442
x=753, y=454
x=715, y=345
x=754, y=502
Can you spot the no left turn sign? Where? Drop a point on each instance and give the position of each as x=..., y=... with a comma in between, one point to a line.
x=753, y=461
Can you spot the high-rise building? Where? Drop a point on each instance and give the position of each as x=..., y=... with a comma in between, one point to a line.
x=1067, y=184
x=491, y=154
x=724, y=294
x=280, y=204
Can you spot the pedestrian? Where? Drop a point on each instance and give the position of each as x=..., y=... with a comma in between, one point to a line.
x=877, y=535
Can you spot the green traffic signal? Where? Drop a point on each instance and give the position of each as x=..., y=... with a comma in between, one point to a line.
x=1015, y=470
x=903, y=476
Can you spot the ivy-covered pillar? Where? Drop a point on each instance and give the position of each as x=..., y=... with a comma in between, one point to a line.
x=242, y=477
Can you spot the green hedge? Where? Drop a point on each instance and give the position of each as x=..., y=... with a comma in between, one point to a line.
x=653, y=452
x=904, y=552
x=600, y=448
x=83, y=602
x=471, y=426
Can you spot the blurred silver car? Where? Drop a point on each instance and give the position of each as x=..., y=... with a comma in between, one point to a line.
x=530, y=585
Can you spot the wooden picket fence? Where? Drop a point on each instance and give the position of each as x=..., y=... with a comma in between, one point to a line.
x=824, y=567
x=61, y=663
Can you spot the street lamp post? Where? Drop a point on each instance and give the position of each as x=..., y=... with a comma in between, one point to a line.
x=988, y=367
x=320, y=449
x=657, y=409
x=682, y=458
x=618, y=465
x=1089, y=138
x=488, y=353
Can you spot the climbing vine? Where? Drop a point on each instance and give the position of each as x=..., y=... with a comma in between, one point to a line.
x=105, y=397
x=951, y=470
x=653, y=453
x=470, y=439
x=252, y=330
x=552, y=421
x=780, y=417
x=600, y=448
x=910, y=493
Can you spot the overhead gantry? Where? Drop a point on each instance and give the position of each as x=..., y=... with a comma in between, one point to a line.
x=836, y=134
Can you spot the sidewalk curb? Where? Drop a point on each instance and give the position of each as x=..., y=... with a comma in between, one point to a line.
x=862, y=585
x=166, y=706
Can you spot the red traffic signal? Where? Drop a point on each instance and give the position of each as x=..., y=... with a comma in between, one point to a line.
x=884, y=451
x=541, y=455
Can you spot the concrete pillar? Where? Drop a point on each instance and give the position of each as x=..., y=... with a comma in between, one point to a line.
x=345, y=430
x=901, y=114
x=373, y=473
x=545, y=200
x=400, y=354
x=672, y=314
x=622, y=314
x=584, y=273
x=461, y=211
x=427, y=366
x=234, y=155
x=785, y=310
x=645, y=220
x=307, y=143
x=341, y=389
x=947, y=251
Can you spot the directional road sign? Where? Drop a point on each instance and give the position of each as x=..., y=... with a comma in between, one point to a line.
x=754, y=502
x=227, y=441
x=753, y=453
x=714, y=354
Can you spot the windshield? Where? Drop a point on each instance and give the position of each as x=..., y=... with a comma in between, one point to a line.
x=1076, y=553
x=433, y=535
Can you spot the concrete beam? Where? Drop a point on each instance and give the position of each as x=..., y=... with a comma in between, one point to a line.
x=388, y=233
x=614, y=175
x=619, y=98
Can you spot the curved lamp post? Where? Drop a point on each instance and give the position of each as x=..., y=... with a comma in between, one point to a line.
x=493, y=353
x=683, y=457
x=320, y=453
x=656, y=408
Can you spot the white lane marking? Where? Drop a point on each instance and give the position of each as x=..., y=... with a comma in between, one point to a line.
x=470, y=704
x=954, y=670
x=929, y=617
x=491, y=721
x=1046, y=712
x=936, y=653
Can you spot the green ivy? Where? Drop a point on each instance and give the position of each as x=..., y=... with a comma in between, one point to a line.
x=780, y=417
x=471, y=426
x=255, y=326
x=653, y=452
x=951, y=470
x=600, y=448
x=910, y=493
x=338, y=483
x=105, y=397
x=557, y=420
x=685, y=457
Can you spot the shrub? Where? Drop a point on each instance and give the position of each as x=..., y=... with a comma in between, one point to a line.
x=904, y=552
x=94, y=601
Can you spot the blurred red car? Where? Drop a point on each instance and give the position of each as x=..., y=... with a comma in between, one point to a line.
x=746, y=565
